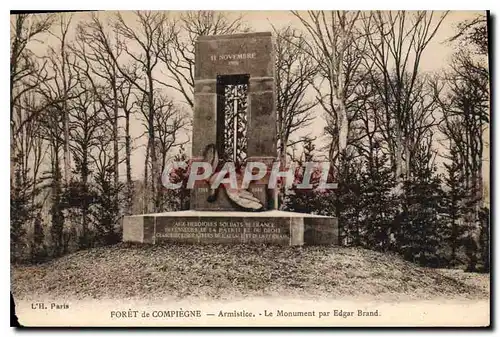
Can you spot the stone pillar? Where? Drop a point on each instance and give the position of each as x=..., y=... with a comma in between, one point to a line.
x=262, y=118
x=238, y=54
x=205, y=115
x=262, y=137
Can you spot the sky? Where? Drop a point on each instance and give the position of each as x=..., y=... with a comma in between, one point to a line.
x=435, y=58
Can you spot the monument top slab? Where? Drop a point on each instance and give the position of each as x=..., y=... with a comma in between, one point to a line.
x=247, y=53
x=233, y=36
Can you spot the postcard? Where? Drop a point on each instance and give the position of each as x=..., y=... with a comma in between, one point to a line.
x=250, y=168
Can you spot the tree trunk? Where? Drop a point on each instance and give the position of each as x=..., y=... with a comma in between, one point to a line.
x=343, y=126
x=57, y=220
x=115, y=143
x=85, y=206
x=485, y=167
x=454, y=236
x=67, y=164
x=398, y=145
x=407, y=153
x=130, y=187
x=280, y=192
x=145, y=193
x=13, y=70
x=155, y=191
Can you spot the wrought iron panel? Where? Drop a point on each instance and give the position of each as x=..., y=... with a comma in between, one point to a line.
x=235, y=123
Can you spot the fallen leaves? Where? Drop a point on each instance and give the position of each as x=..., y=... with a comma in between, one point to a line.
x=225, y=271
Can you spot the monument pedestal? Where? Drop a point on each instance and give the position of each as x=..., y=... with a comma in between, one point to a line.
x=269, y=227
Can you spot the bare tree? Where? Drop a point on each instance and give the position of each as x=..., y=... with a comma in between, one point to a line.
x=60, y=89
x=140, y=44
x=128, y=105
x=51, y=131
x=169, y=122
x=86, y=120
x=333, y=42
x=29, y=146
x=30, y=151
x=26, y=73
x=106, y=208
x=465, y=108
x=23, y=68
x=365, y=130
x=475, y=31
x=101, y=71
x=396, y=43
x=295, y=70
x=154, y=34
x=421, y=120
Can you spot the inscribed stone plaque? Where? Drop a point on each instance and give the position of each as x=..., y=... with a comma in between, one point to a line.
x=234, y=54
x=223, y=230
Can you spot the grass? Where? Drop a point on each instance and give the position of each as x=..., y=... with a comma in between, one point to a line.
x=235, y=271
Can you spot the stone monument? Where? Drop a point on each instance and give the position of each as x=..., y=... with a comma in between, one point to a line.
x=234, y=121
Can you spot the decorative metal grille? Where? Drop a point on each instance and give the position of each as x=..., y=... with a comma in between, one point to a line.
x=235, y=123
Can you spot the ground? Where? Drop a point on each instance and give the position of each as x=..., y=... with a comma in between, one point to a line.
x=225, y=272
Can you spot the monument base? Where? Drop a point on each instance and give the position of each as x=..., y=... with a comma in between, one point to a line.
x=269, y=227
